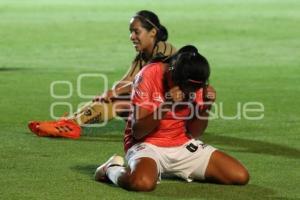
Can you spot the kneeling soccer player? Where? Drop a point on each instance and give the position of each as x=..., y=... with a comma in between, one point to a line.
x=161, y=137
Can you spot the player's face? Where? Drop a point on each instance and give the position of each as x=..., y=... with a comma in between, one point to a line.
x=142, y=39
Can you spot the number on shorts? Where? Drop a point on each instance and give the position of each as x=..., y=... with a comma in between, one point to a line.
x=191, y=147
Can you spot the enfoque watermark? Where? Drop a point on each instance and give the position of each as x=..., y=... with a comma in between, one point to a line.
x=251, y=110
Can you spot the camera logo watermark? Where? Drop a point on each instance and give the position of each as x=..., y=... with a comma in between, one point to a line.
x=82, y=79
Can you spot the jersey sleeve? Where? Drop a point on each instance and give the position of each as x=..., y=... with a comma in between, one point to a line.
x=143, y=91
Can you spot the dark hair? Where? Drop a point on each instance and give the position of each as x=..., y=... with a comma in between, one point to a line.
x=189, y=69
x=149, y=21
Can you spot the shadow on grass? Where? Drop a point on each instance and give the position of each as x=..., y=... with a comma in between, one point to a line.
x=85, y=169
x=251, y=146
x=225, y=143
x=104, y=138
x=176, y=188
x=112, y=132
x=173, y=190
x=8, y=69
x=115, y=126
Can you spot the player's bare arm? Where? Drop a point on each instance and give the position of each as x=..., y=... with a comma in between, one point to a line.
x=198, y=124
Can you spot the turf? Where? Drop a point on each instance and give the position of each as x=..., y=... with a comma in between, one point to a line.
x=253, y=48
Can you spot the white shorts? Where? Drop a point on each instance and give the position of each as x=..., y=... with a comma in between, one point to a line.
x=188, y=161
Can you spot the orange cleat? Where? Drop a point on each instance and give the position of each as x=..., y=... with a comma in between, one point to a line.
x=61, y=128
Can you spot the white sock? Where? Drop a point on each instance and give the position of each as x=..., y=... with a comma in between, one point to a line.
x=114, y=172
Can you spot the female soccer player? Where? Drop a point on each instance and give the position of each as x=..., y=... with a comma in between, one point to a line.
x=161, y=138
x=149, y=40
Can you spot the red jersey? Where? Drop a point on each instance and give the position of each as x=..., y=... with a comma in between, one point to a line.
x=148, y=93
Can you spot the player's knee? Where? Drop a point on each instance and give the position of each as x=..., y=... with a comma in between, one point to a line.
x=142, y=183
x=241, y=177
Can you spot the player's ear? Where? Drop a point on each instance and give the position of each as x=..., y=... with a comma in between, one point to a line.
x=153, y=32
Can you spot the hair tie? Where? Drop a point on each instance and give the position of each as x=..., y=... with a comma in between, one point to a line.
x=147, y=20
x=194, y=81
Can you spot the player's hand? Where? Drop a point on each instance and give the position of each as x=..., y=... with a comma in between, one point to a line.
x=175, y=94
x=105, y=97
x=209, y=94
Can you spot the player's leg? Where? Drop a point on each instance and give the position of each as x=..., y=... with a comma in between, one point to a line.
x=93, y=112
x=123, y=108
x=98, y=112
x=140, y=175
x=61, y=128
x=225, y=169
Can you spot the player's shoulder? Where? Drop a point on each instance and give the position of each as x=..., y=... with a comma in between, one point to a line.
x=163, y=44
x=164, y=48
x=149, y=76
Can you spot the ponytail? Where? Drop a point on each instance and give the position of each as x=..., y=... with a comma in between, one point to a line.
x=162, y=34
x=188, y=67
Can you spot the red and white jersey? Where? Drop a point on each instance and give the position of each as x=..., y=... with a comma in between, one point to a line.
x=148, y=93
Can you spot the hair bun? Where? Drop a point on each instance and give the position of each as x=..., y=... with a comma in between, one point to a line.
x=188, y=49
x=162, y=33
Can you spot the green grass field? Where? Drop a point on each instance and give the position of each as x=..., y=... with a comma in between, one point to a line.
x=254, y=51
